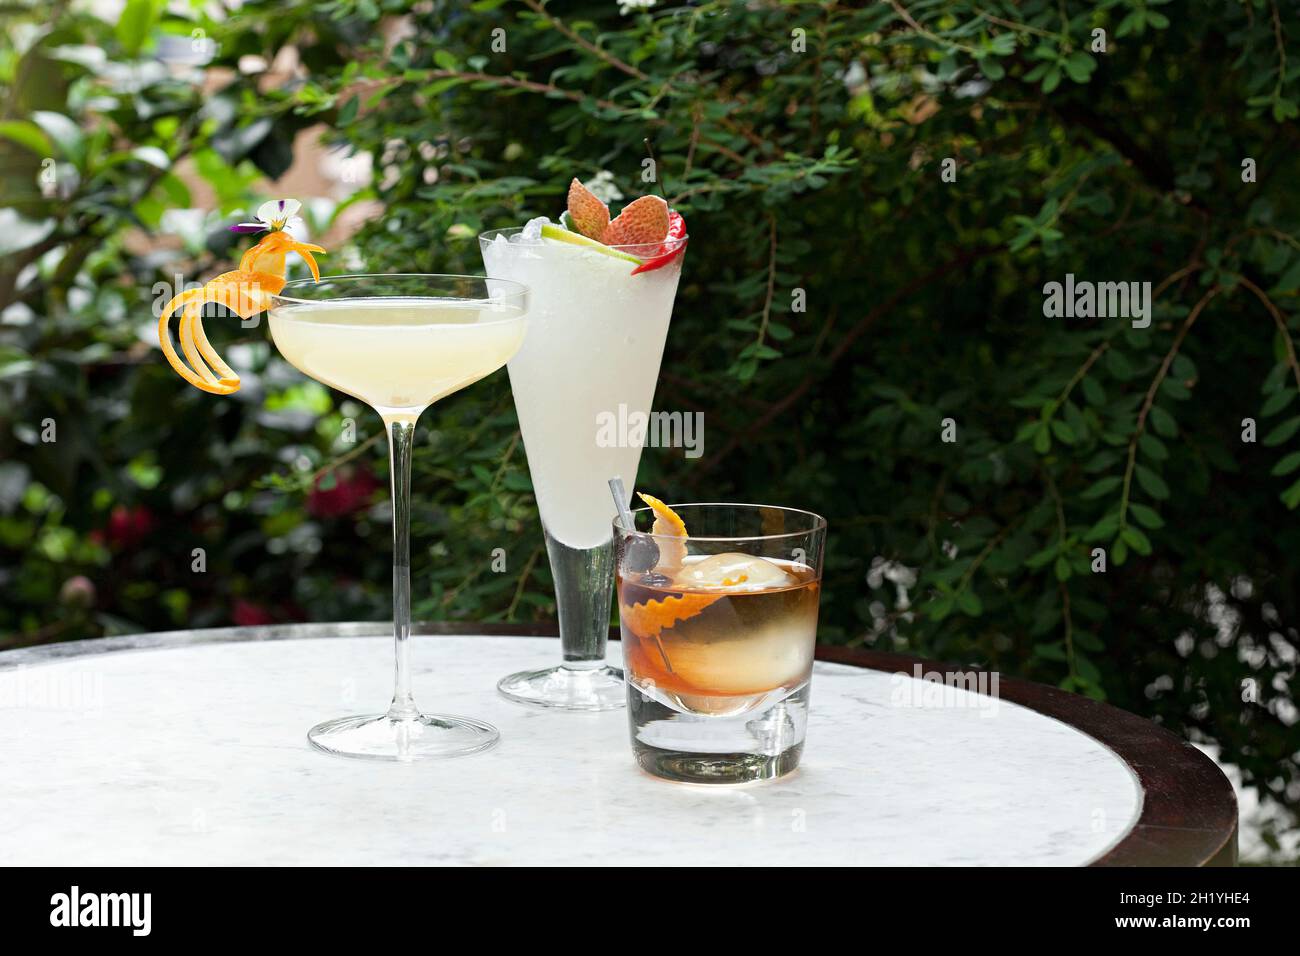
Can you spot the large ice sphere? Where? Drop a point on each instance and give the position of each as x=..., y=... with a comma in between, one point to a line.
x=734, y=572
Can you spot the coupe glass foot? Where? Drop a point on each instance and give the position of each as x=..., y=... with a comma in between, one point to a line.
x=380, y=737
x=567, y=688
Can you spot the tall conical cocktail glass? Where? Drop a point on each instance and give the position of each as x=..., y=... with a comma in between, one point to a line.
x=590, y=360
x=399, y=343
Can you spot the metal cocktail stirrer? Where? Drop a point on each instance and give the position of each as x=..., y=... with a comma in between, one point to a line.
x=642, y=554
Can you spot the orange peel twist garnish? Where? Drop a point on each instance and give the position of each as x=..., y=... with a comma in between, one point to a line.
x=653, y=617
x=672, y=554
x=245, y=291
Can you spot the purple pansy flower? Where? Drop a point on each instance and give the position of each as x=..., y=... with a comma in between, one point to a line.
x=272, y=216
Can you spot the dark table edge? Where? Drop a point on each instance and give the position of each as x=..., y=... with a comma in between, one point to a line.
x=1189, y=810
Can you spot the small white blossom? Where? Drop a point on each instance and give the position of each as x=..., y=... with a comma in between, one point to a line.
x=602, y=186
x=274, y=215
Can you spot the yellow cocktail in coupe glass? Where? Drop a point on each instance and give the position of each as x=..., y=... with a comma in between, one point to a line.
x=399, y=343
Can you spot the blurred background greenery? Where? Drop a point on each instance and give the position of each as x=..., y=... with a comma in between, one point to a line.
x=841, y=299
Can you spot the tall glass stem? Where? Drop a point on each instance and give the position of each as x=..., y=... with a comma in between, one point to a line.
x=583, y=582
x=400, y=435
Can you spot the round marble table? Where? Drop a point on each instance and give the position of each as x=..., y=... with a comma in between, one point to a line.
x=190, y=749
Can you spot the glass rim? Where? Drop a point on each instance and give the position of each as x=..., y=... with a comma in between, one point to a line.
x=677, y=242
x=818, y=522
x=520, y=291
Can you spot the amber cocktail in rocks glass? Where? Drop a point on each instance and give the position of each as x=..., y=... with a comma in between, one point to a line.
x=718, y=631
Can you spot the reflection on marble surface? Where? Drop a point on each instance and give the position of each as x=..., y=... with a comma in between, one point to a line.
x=172, y=751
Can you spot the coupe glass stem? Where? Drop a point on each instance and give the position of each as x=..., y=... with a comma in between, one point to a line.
x=400, y=433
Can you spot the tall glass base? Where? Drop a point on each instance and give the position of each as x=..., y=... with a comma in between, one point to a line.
x=567, y=687
x=584, y=580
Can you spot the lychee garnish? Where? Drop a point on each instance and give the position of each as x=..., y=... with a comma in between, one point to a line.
x=672, y=246
x=588, y=214
x=642, y=221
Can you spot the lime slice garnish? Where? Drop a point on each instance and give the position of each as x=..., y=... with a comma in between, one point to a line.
x=553, y=231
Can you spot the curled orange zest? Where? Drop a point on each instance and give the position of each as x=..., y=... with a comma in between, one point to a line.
x=648, y=620
x=246, y=292
x=672, y=554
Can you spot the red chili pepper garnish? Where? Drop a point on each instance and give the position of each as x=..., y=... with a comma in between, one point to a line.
x=673, y=241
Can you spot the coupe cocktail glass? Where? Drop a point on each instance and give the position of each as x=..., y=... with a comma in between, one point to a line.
x=596, y=335
x=399, y=343
x=718, y=633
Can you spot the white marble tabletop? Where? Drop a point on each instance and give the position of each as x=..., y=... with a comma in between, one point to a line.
x=192, y=751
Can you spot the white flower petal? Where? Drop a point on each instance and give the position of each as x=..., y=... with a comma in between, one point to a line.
x=269, y=211
x=276, y=212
